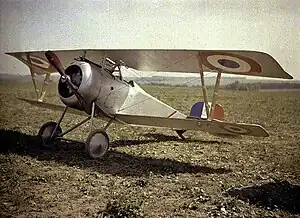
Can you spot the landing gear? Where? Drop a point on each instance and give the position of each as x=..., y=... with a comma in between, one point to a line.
x=48, y=133
x=97, y=142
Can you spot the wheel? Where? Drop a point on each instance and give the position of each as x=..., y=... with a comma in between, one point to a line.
x=97, y=144
x=45, y=133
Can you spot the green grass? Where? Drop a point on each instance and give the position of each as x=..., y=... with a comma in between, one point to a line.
x=147, y=172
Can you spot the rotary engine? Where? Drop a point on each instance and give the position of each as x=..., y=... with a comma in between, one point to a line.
x=81, y=75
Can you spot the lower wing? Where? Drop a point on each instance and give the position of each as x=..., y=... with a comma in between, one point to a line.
x=61, y=108
x=54, y=107
x=214, y=126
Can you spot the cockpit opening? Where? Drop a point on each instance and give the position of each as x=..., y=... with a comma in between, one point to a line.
x=110, y=67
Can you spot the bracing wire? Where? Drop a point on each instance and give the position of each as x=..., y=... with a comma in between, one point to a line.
x=163, y=90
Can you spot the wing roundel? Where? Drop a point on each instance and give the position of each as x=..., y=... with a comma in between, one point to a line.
x=230, y=63
x=249, y=63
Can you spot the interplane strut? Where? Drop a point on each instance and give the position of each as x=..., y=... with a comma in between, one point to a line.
x=209, y=110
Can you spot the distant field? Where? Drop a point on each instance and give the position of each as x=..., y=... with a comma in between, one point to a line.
x=279, y=90
x=150, y=172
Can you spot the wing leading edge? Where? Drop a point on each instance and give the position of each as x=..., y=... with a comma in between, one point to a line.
x=250, y=63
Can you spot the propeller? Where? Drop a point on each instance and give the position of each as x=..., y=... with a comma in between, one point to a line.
x=55, y=62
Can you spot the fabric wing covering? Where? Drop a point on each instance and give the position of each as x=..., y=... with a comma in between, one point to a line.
x=251, y=63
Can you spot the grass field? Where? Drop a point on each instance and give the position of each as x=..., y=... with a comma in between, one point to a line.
x=150, y=172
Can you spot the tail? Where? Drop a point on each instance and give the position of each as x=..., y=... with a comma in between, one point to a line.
x=198, y=111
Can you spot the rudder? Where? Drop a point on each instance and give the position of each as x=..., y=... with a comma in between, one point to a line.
x=198, y=111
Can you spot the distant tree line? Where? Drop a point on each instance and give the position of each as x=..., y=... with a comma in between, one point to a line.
x=243, y=86
x=236, y=85
x=259, y=85
x=178, y=85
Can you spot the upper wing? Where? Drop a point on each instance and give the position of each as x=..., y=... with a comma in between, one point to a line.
x=251, y=63
x=215, y=126
x=38, y=62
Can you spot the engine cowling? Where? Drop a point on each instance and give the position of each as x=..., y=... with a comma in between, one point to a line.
x=80, y=74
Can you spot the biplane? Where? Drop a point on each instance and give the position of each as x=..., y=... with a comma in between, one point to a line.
x=92, y=85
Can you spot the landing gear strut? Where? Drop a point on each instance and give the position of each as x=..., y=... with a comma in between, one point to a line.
x=97, y=142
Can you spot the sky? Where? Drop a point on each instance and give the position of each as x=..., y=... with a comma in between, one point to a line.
x=271, y=26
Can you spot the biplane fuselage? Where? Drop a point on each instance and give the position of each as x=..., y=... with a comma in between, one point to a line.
x=110, y=92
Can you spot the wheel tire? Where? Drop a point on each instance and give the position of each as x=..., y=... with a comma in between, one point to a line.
x=97, y=144
x=45, y=133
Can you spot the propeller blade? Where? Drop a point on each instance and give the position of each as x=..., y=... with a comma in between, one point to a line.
x=55, y=62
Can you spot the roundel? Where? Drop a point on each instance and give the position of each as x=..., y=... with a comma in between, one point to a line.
x=38, y=62
x=236, y=129
x=230, y=63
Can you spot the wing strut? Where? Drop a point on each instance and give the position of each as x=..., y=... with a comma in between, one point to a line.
x=209, y=111
x=39, y=94
x=215, y=95
x=43, y=91
x=32, y=75
x=203, y=84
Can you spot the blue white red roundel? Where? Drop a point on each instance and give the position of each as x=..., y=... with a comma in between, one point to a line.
x=38, y=61
x=236, y=129
x=229, y=63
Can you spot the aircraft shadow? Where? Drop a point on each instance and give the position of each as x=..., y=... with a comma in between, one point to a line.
x=278, y=195
x=115, y=162
x=161, y=137
x=153, y=137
